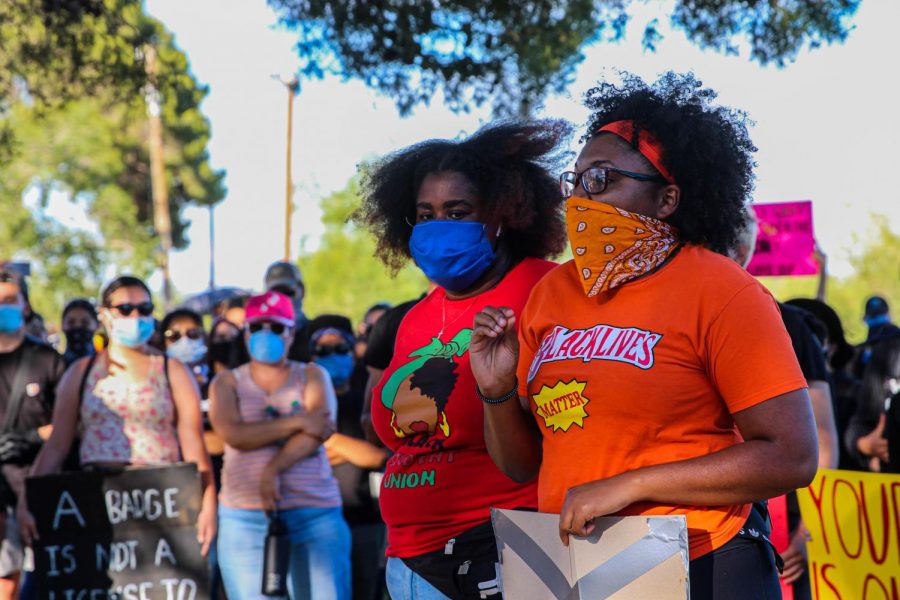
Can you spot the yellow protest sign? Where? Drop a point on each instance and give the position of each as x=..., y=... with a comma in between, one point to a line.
x=854, y=526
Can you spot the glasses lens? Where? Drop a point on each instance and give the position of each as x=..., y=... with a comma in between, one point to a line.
x=125, y=309
x=594, y=180
x=145, y=309
x=328, y=350
x=277, y=328
x=195, y=334
x=255, y=327
x=172, y=336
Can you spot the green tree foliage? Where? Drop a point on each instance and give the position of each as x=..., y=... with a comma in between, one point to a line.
x=86, y=137
x=876, y=271
x=52, y=52
x=343, y=276
x=514, y=52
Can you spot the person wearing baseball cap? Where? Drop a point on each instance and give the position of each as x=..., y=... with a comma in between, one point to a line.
x=274, y=414
x=285, y=278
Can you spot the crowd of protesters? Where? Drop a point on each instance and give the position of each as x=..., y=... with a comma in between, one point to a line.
x=382, y=447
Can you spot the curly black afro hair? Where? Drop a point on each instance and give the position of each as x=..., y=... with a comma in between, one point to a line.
x=509, y=163
x=706, y=148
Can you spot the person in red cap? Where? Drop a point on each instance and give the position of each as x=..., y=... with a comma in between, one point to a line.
x=651, y=375
x=274, y=414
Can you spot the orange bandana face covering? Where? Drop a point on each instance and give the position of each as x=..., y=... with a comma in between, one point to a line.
x=613, y=246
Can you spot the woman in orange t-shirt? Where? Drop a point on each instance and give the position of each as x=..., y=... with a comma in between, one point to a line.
x=654, y=376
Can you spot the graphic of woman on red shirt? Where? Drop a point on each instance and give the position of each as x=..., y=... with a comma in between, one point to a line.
x=478, y=216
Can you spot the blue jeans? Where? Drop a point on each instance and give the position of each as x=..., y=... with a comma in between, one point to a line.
x=320, y=553
x=404, y=584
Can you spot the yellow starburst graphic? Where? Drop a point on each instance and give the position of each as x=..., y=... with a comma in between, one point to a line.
x=562, y=405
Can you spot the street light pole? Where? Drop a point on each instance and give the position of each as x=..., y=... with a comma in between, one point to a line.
x=161, y=218
x=293, y=86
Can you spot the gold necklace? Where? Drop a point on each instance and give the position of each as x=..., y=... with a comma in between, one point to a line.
x=444, y=323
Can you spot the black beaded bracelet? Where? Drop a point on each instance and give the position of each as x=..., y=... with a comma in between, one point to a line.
x=505, y=397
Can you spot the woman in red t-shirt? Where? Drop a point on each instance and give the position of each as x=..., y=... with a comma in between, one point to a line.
x=653, y=375
x=478, y=216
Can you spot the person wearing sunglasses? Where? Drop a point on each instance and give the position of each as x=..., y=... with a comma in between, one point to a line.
x=184, y=338
x=355, y=462
x=134, y=405
x=650, y=374
x=479, y=216
x=274, y=414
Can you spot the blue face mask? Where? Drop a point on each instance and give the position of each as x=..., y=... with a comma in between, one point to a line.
x=11, y=318
x=266, y=347
x=339, y=367
x=453, y=254
x=879, y=320
x=187, y=350
x=132, y=332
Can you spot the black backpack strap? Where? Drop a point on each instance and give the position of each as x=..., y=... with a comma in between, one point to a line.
x=17, y=391
x=84, y=378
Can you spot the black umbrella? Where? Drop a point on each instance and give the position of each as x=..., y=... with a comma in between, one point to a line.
x=206, y=302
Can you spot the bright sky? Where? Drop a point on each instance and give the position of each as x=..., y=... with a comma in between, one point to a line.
x=826, y=128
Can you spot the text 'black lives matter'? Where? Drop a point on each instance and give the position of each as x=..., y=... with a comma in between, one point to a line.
x=123, y=535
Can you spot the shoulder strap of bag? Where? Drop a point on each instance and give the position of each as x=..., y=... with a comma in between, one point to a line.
x=84, y=377
x=17, y=392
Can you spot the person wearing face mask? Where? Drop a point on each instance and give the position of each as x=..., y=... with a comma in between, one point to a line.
x=30, y=371
x=479, y=216
x=227, y=349
x=79, y=325
x=659, y=363
x=274, y=414
x=352, y=458
x=184, y=339
x=133, y=405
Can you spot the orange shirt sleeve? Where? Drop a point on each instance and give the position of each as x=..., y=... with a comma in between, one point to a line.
x=749, y=352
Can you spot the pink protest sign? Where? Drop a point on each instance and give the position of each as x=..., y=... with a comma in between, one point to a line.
x=785, y=243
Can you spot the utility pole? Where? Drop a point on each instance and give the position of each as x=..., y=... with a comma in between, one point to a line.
x=293, y=86
x=162, y=220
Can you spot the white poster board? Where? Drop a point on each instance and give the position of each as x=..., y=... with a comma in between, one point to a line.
x=623, y=558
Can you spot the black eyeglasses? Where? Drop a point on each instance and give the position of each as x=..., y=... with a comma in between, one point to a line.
x=595, y=179
x=329, y=350
x=145, y=309
x=193, y=334
x=276, y=328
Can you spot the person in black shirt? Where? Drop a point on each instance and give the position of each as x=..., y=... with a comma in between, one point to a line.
x=355, y=462
x=29, y=372
x=845, y=387
x=79, y=324
x=379, y=352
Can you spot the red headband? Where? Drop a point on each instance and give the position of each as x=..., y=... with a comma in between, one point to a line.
x=648, y=145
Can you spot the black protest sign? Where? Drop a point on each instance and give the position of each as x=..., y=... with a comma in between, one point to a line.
x=124, y=535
